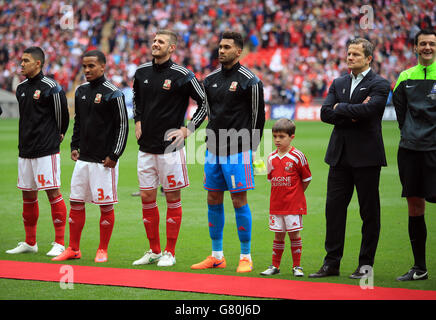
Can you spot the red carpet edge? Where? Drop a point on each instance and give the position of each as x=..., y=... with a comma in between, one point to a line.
x=204, y=283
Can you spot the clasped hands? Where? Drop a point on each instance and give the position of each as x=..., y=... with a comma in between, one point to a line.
x=107, y=162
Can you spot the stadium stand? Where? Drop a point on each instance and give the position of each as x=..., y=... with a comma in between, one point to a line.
x=297, y=47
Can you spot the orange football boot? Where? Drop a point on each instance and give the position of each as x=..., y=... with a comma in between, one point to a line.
x=245, y=265
x=210, y=262
x=68, y=254
x=101, y=255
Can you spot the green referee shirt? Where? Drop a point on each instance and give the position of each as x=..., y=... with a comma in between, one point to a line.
x=414, y=98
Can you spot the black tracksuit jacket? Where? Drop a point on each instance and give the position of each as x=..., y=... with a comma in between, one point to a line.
x=100, y=124
x=161, y=96
x=236, y=110
x=43, y=116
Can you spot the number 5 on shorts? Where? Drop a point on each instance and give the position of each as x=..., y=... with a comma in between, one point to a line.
x=171, y=182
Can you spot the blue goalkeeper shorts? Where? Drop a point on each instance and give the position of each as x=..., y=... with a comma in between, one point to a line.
x=233, y=173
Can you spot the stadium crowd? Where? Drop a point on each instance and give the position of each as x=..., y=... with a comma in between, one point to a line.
x=312, y=33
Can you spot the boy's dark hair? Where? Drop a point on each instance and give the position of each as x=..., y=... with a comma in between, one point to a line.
x=284, y=125
x=96, y=53
x=236, y=36
x=36, y=53
x=423, y=31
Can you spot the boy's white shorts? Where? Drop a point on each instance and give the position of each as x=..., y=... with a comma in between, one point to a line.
x=168, y=170
x=285, y=223
x=92, y=182
x=39, y=173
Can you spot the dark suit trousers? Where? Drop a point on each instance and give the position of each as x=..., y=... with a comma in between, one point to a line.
x=340, y=186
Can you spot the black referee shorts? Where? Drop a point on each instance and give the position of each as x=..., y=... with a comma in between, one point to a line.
x=417, y=171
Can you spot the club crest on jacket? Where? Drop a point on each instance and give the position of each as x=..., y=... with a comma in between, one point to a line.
x=97, y=98
x=167, y=84
x=233, y=86
x=37, y=94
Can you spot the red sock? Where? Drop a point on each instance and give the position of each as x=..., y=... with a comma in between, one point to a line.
x=59, y=215
x=150, y=217
x=76, y=222
x=278, y=248
x=30, y=219
x=296, y=246
x=107, y=220
x=174, y=220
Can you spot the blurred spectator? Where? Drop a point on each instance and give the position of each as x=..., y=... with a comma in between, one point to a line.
x=311, y=36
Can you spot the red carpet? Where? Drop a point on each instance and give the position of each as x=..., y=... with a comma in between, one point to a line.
x=207, y=283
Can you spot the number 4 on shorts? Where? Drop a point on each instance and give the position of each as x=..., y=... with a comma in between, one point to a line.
x=41, y=179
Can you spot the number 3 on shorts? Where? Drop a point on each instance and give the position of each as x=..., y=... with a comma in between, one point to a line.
x=100, y=194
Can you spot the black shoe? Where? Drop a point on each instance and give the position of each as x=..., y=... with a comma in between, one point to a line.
x=358, y=274
x=431, y=199
x=325, y=271
x=414, y=274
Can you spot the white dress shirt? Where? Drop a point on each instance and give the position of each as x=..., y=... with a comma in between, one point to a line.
x=356, y=80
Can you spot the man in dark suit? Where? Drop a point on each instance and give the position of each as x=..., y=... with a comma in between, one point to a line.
x=354, y=105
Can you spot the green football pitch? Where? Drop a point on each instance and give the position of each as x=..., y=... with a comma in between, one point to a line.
x=129, y=241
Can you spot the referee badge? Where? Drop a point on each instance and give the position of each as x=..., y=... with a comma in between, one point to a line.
x=432, y=94
x=233, y=86
x=167, y=84
x=37, y=94
x=97, y=98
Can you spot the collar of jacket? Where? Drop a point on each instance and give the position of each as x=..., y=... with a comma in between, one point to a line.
x=228, y=72
x=37, y=77
x=97, y=81
x=159, y=67
x=430, y=68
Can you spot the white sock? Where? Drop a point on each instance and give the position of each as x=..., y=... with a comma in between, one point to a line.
x=218, y=254
x=248, y=256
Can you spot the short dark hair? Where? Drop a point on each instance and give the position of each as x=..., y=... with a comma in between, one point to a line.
x=236, y=36
x=95, y=53
x=423, y=31
x=170, y=33
x=284, y=125
x=36, y=53
x=368, y=47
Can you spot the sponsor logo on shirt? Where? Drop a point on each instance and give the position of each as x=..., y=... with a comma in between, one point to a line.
x=281, y=181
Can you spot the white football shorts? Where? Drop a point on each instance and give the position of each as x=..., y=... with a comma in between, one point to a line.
x=92, y=182
x=167, y=169
x=39, y=173
x=286, y=222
